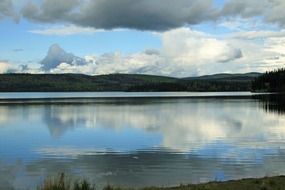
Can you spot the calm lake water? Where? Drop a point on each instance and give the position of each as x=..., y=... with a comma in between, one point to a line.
x=140, y=139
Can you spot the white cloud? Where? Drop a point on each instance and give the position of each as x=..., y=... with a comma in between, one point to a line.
x=197, y=52
x=252, y=35
x=6, y=67
x=113, y=63
x=65, y=30
x=254, y=41
x=67, y=68
x=276, y=48
x=184, y=52
x=56, y=55
x=190, y=132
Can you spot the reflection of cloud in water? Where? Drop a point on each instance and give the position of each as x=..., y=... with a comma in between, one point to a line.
x=4, y=115
x=184, y=124
x=202, y=139
x=10, y=114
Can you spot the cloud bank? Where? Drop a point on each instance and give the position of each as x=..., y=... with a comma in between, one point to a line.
x=184, y=53
x=154, y=15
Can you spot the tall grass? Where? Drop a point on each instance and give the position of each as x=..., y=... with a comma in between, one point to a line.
x=267, y=183
x=61, y=183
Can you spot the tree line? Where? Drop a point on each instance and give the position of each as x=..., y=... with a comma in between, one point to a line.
x=272, y=81
x=115, y=82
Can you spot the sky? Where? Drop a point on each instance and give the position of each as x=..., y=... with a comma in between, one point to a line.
x=178, y=38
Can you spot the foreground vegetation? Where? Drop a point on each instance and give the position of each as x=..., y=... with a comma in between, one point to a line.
x=123, y=82
x=61, y=183
x=267, y=183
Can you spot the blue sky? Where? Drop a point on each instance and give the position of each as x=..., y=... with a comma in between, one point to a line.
x=185, y=37
x=18, y=36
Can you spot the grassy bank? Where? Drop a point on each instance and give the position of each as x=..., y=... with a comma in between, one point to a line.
x=267, y=183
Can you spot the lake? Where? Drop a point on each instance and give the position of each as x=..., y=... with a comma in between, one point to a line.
x=140, y=139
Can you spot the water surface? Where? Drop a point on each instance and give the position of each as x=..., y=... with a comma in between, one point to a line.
x=135, y=140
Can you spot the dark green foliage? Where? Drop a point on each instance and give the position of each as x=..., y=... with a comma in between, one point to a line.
x=273, y=81
x=74, y=82
x=227, y=77
x=121, y=82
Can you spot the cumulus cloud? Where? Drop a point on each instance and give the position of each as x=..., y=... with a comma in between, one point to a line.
x=156, y=15
x=143, y=15
x=49, y=10
x=6, y=67
x=56, y=56
x=249, y=45
x=115, y=62
x=184, y=52
x=7, y=9
x=197, y=52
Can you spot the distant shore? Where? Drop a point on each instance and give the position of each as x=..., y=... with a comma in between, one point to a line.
x=266, y=183
x=124, y=83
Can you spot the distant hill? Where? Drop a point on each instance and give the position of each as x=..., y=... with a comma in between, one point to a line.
x=246, y=77
x=123, y=82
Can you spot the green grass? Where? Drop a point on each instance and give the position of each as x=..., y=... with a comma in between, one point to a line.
x=267, y=183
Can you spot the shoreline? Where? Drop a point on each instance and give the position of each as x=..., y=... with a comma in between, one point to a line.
x=265, y=183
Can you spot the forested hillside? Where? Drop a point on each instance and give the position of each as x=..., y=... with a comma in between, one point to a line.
x=122, y=82
x=273, y=81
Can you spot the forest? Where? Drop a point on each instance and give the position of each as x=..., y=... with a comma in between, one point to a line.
x=273, y=81
x=123, y=82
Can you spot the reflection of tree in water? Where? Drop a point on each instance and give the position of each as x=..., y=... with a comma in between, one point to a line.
x=273, y=103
